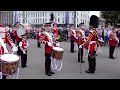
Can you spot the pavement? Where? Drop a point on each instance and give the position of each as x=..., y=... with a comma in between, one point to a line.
x=105, y=68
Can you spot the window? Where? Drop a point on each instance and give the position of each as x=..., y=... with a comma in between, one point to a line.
x=81, y=20
x=40, y=20
x=58, y=20
x=43, y=20
x=55, y=20
x=72, y=20
x=58, y=13
x=77, y=20
x=81, y=14
x=77, y=13
x=72, y=13
x=40, y=14
x=63, y=20
x=43, y=14
x=63, y=13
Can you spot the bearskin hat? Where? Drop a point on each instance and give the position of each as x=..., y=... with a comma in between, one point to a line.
x=94, y=21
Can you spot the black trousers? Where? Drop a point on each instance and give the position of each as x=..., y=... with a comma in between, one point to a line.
x=23, y=59
x=4, y=77
x=80, y=56
x=72, y=45
x=14, y=39
x=47, y=62
x=38, y=43
x=119, y=43
x=92, y=63
x=19, y=51
x=111, y=50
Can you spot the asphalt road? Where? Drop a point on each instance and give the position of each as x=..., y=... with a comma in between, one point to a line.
x=105, y=68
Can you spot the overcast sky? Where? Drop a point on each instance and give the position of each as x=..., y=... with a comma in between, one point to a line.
x=94, y=13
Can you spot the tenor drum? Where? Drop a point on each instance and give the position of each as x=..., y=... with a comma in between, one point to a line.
x=101, y=42
x=57, y=53
x=9, y=64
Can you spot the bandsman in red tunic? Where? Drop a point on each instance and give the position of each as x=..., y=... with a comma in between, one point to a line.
x=72, y=38
x=91, y=44
x=23, y=46
x=4, y=40
x=80, y=34
x=38, y=36
x=46, y=39
x=113, y=41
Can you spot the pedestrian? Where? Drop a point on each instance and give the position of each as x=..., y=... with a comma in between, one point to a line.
x=23, y=46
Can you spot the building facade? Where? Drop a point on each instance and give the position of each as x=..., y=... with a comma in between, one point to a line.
x=6, y=17
x=61, y=17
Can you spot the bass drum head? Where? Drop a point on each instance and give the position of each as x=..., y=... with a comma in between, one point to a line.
x=21, y=31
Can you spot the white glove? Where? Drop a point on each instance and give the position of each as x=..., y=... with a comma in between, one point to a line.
x=80, y=46
x=24, y=52
x=76, y=37
x=49, y=44
x=14, y=49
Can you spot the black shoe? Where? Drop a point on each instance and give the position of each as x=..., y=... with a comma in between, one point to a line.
x=51, y=72
x=112, y=57
x=48, y=74
x=89, y=71
x=82, y=61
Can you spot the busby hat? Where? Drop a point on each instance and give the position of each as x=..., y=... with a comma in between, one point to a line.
x=94, y=21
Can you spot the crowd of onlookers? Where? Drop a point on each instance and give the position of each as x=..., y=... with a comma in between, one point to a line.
x=65, y=35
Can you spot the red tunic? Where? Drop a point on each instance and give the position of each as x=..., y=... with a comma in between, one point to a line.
x=113, y=39
x=17, y=38
x=91, y=42
x=44, y=39
x=72, y=35
x=6, y=38
x=80, y=39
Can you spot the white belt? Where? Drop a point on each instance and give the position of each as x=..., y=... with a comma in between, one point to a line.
x=91, y=42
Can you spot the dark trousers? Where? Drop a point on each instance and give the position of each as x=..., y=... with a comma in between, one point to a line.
x=38, y=44
x=92, y=63
x=4, y=77
x=111, y=51
x=19, y=51
x=47, y=62
x=80, y=54
x=119, y=43
x=23, y=59
x=14, y=39
x=72, y=45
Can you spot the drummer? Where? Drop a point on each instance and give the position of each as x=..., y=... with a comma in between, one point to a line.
x=45, y=39
x=23, y=47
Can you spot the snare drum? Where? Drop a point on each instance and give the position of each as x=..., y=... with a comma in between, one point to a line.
x=9, y=64
x=57, y=53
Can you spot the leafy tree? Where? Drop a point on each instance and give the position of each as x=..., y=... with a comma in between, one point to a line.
x=112, y=17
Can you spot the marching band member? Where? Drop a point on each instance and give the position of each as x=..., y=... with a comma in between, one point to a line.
x=113, y=41
x=72, y=38
x=91, y=44
x=38, y=35
x=80, y=40
x=4, y=40
x=17, y=38
x=46, y=39
x=23, y=46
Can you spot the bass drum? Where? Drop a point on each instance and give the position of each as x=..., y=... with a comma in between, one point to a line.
x=21, y=30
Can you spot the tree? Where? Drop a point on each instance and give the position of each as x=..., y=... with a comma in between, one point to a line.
x=112, y=17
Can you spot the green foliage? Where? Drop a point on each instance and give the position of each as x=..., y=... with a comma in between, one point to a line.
x=112, y=17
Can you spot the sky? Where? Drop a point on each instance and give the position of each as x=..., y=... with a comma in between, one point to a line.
x=94, y=13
